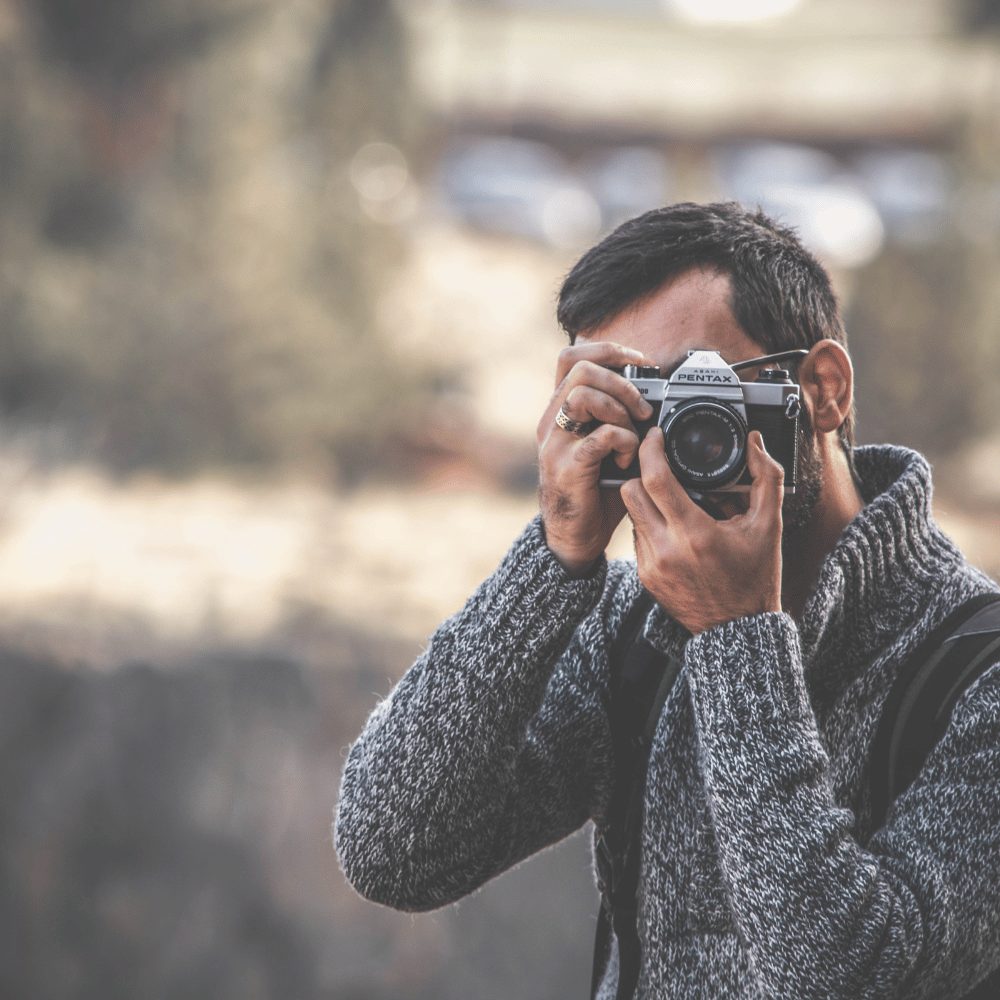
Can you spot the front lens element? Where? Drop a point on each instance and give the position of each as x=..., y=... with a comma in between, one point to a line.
x=705, y=442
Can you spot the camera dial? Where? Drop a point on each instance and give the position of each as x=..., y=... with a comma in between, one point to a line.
x=772, y=375
x=641, y=371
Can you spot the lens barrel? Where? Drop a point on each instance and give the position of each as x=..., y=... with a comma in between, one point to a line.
x=705, y=443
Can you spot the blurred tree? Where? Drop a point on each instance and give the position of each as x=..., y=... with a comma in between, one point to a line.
x=191, y=276
x=120, y=878
x=113, y=45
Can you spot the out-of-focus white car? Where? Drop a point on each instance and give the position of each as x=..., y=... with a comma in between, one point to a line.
x=627, y=180
x=913, y=189
x=809, y=190
x=516, y=186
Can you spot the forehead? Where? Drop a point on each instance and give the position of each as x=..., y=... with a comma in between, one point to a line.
x=692, y=311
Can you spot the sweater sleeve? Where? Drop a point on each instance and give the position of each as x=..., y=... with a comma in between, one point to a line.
x=487, y=749
x=915, y=912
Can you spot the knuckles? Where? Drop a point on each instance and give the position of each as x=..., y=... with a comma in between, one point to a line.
x=567, y=357
x=589, y=448
x=655, y=481
x=585, y=371
x=771, y=468
x=630, y=490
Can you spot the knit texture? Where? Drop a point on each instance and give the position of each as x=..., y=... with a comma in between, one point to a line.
x=759, y=873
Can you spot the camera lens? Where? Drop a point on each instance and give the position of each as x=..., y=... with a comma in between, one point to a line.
x=705, y=443
x=702, y=444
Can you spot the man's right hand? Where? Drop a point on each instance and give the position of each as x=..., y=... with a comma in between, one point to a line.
x=579, y=516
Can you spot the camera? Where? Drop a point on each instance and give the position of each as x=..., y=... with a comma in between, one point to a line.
x=706, y=413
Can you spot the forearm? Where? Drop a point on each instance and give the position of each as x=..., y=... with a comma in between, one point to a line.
x=823, y=916
x=428, y=789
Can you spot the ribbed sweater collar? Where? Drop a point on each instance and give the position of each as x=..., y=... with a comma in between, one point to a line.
x=881, y=574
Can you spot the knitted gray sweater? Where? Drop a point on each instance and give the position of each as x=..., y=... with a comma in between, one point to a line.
x=760, y=875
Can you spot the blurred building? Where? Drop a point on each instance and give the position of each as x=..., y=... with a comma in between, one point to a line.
x=881, y=94
x=870, y=128
x=832, y=70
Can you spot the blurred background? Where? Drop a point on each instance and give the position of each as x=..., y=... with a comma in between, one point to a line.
x=276, y=322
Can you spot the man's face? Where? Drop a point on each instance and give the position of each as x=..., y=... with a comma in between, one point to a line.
x=692, y=312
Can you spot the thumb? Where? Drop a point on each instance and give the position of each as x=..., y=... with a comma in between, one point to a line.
x=767, y=488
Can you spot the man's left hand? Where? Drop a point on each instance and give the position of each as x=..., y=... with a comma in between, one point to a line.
x=705, y=572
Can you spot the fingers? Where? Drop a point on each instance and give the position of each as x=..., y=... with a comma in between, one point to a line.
x=586, y=403
x=601, y=352
x=767, y=488
x=661, y=484
x=646, y=516
x=608, y=439
x=587, y=374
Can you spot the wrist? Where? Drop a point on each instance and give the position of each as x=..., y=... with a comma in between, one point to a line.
x=576, y=562
x=576, y=568
x=700, y=615
x=735, y=615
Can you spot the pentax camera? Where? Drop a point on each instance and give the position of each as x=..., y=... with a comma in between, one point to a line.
x=706, y=413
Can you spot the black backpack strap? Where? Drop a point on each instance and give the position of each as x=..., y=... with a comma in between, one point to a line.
x=635, y=701
x=914, y=718
x=624, y=913
x=925, y=691
x=629, y=632
x=919, y=707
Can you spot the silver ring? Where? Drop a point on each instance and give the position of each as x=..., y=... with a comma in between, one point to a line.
x=578, y=427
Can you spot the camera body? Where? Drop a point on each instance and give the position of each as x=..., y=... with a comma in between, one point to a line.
x=706, y=413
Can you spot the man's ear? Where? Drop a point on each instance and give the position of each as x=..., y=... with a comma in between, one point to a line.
x=827, y=380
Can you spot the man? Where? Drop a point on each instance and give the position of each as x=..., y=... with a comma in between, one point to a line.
x=760, y=875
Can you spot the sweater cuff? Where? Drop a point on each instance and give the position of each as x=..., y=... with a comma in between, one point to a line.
x=747, y=674
x=531, y=587
x=664, y=633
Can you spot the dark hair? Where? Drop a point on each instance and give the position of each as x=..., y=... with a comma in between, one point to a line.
x=781, y=295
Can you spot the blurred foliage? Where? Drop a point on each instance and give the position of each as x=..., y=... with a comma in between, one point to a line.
x=116, y=44
x=166, y=833
x=192, y=268
x=188, y=274
x=149, y=887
